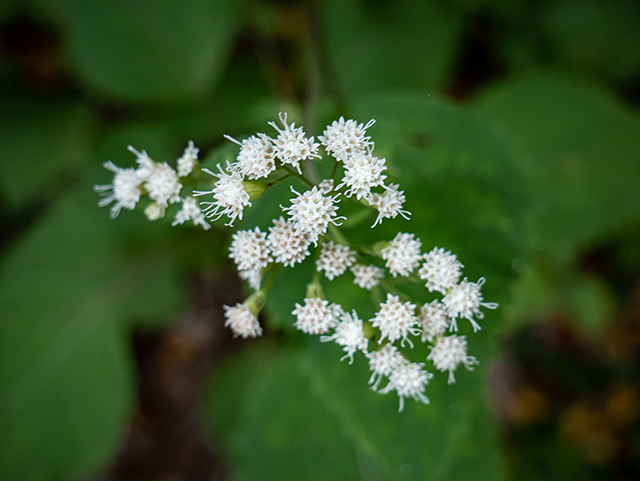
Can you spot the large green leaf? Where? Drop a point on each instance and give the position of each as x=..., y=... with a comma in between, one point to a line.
x=579, y=150
x=65, y=374
x=385, y=44
x=151, y=49
x=42, y=140
x=305, y=415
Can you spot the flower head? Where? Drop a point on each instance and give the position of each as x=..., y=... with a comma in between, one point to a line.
x=409, y=380
x=316, y=316
x=190, y=211
x=334, y=259
x=343, y=139
x=449, y=352
x=125, y=189
x=312, y=212
x=441, y=270
x=433, y=319
x=403, y=255
x=162, y=185
x=257, y=156
x=464, y=300
x=367, y=277
x=395, y=320
x=389, y=203
x=291, y=145
x=363, y=172
x=253, y=277
x=383, y=362
x=188, y=160
x=249, y=249
x=287, y=247
x=230, y=196
x=242, y=321
x=349, y=334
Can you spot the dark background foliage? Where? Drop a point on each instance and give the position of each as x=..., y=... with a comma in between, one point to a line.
x=512, y=126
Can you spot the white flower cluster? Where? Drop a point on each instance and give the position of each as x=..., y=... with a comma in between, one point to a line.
x=312, y=218
x=158, y=181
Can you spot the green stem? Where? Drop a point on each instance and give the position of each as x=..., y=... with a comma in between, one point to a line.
x=295, y=173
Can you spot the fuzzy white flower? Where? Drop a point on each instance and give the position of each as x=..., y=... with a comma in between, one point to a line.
x=125, y=189
x=449, y=352
x=312, y=212
x=343, y=139
x=396, y=320
x=367, y=277
x=389, y=204
x=334, y=259
x=257, y=156
x=433, y=319
x=190, y=211
x=383, y=362
x=229, y=193
x=363, y=171
x=349, y=334
x=317, y=316
x=287, y=247
x=325, y=186
x=163, y=186
x=188, y=160
x=241, y=321
x=253, y=277
x=249, y=249
x=403, y=255
x=291, y=146
x=441, y=270
x=464, y=300
x=145, y=165
x=409, y=380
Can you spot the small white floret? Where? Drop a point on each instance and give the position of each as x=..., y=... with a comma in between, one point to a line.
x=409, y=380
x=125, y=189
x=343, y=139
x=389, y=204
x=441, y=270
x=249, y=249
x=257, y=156
x=287, y=247
x=163, y=186
x=334, y=259
x=367, y=277
x=464, y=301
x=188, y=160
x=383, y=362
x=396, y=320
x=229, y=193
x=241, y=321
x=190, y=211
x=349, y=334
x=291, y=146
x=449, y=352
x=316, y=316
x=434, y=320
x=403, y=255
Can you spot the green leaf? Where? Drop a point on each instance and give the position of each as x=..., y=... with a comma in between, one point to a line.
x=381, y=45
x=579, y=151
x=67, y=295
x=283, y=415
x=151, y=50
x=42, y=140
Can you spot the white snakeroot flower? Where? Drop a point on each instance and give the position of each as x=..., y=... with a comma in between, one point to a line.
x=287, y=247
x=241, y=321
x=464, y=300
x=383, y=362
x=317, y=316
x=434, y=320
x=349, y=334
x=363, y=172
x=343, y=139
x=229, y=194
x=326, y=186
x=367, y=277
x=441, y=270
x=125, y=189
x=187, y=161
x=190, y=211
x=396, y=320
x=252, y=276
x=257, y=156
x=334, y=259
x=145, y=164
x=311, y=213
x=389, y=204
x=403, y=255
x=163, y=186
x=448, y=353
x=409, y=380
x=291, y=145
x=249, y=249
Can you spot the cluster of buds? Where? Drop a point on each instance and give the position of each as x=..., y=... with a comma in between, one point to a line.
x=312, y=219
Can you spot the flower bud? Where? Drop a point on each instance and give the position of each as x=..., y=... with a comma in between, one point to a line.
x=154, y=211
x=254, y=188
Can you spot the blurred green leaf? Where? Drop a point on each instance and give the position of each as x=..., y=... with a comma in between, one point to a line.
x=284, y=415
x=66, y=293
x=41, y=142
x=151, y=50
x=579, y=151
x=391, y=44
